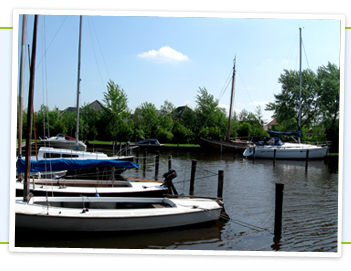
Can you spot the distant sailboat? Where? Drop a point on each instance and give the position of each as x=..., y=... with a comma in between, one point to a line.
x=227, y=146
x=276, y=147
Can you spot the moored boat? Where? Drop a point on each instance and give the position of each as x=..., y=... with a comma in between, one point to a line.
x=90, y=188
x=274, y=147
x=113, y=214
x=228, y=145
x=281, y=150
x=64, y=142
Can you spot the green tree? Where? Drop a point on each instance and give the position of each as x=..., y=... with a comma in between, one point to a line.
x=49, y=122
x=328, y=81
x=91, y=116
x=146, y=121
x=286, y=105
x=209, y=115
x=319, y=101
x=116, y=111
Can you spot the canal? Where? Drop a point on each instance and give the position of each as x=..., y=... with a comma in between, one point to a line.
x=310, y=208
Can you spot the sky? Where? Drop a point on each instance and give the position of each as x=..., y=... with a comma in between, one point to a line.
x=165, y=58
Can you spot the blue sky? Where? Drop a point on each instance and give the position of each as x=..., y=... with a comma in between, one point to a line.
x=155, y=59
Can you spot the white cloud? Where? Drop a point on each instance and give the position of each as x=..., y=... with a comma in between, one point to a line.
x=164, y=54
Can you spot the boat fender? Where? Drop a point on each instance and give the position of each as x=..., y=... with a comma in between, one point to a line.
x=85, y=210
x=97, y=195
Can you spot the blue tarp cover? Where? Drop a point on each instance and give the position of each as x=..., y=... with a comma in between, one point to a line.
x=148, y=141
x=71, y=164
x=274, y=133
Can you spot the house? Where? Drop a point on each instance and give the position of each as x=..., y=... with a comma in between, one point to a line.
x=269, y=125
x=96, y=105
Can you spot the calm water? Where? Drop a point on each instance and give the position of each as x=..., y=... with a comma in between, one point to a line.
x=310, y=208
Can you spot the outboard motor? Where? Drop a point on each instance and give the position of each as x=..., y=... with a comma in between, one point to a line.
x=168, y=177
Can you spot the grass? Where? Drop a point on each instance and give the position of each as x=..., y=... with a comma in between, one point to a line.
x=167, y=144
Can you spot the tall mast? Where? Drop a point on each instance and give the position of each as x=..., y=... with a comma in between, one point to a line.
x=30, y=109
x=300, y=83
x=231, y=103
x=78, y=79
x=20, y=96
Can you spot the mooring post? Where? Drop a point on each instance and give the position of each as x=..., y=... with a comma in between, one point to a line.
x=274, y=157
x=144, y=166
x=192, y=178
x=169, y=162
x=307, y=157
x=137, y=155
x=157, y=164
x=254, y=153
x=279, y=187
x=220, y=184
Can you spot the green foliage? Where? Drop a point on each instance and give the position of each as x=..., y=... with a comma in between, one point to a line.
x=320, y=95
x=244, y=129
x=210, y=118
x=182, y=133
x=115, y=112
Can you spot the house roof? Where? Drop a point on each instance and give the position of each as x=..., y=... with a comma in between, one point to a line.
x=96, y=104
x=273, y=122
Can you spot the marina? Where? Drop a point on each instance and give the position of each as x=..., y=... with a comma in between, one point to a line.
x=218, y=201
x=309, y=217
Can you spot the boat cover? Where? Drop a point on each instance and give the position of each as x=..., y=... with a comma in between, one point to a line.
x=148, y=141
x=72, y=164
x=274, y=141
x=274, y=133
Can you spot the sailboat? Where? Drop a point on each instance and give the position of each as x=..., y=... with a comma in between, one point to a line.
x=274, y=147
x=229, y=145
x=104, y=213
x=64, y=142
x=113, y=214
x=66, y=147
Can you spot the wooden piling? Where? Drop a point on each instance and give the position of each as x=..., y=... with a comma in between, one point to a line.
x=157, y=162
x=144, y=165
x=279, y=187
x=274, y=157
x=192, y=178
x=307, y=158
x=137, y=155
x=220, y=184
x=169, y=162
x=254, y=153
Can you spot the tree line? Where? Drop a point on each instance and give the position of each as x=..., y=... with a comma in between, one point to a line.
x=320, y=104
x=116, y=122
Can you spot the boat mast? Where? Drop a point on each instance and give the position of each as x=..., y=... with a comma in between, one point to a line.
x=300, y=84
x=26, y=195
x=20, y=96
x=78, y=80
x=231, y=103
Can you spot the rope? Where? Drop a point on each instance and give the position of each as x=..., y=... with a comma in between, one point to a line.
x=251, y=226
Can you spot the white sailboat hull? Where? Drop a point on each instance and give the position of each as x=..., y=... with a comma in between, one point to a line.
x=55, y=153
x=287, y=151
x=76, y=188
x=60, y=141
x=68, y=214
